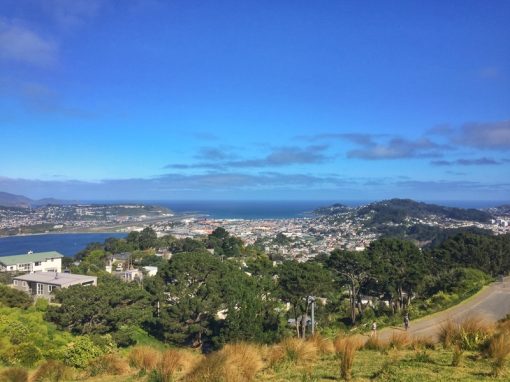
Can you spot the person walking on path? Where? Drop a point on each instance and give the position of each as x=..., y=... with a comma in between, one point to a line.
x=406, y=321
x=374, y=329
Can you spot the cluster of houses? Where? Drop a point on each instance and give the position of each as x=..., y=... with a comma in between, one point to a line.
x=39, y=274
x=43, y=273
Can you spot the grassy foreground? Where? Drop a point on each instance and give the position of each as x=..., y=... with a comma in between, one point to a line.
x=469, y=351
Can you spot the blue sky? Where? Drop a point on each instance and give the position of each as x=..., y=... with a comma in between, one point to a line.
x=189, y=99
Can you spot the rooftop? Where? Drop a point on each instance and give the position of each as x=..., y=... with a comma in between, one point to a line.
x=29, y=258
x=53, y=278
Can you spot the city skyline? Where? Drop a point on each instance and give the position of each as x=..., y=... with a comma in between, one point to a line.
x=154, y=100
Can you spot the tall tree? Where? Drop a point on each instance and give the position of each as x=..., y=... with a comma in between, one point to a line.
x=398, y=266
x=299, y=281
x=192, y=297
x=353, y=270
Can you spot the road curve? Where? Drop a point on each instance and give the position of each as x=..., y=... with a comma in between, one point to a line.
x=490, y=304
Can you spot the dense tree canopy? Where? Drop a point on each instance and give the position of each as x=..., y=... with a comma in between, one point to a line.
x=102, y=309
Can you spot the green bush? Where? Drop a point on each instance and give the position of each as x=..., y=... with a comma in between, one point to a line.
x=24, y=354
x=80, y=352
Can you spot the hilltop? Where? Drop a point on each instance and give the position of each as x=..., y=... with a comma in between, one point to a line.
x=21, y=201
x=398, y=211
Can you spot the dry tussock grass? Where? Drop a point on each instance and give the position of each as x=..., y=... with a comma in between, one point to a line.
x=347, y=348
x=418, y=343
x=169, y=364
x=399, y=340
x=293, y=350
x=375, y=343
x=323, y=345
x=144, y=358
x=54, y=371
x=447, y=333
x=234, y=363
x=14, y=374
x=111, y=364
x=498, y=351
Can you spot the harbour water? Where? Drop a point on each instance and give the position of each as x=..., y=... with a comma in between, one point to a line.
x=67, y=244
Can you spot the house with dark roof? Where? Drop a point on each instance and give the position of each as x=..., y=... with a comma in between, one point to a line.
x=32, y=262
x=42, y=284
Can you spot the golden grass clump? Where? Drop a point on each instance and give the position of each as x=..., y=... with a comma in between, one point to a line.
x=448, y=332
x=375, y=343
x=111, y=364
x=293, y=350
x=54, y=371
x=323, y=345
x=399, y=341
x=504, y=326
x=474, y=333
x=418, y=343
x=144, y=358
x=457, y=355
x=498, y=351
x=170, y=363
x=347, y=350
x=14, y=374
x=234, y=363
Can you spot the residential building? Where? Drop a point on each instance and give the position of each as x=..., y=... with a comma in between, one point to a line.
x=32, y=262
x=41, y=284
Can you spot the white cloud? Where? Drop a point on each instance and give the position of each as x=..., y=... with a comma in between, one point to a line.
x=20, y=44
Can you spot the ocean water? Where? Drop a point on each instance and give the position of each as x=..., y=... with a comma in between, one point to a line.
x=246, y=209
x=67, y=244
x=274, y=209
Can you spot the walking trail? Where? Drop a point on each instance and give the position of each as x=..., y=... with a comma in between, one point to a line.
x=490, y=304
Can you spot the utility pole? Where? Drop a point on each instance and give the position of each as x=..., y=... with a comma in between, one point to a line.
x=312, y=301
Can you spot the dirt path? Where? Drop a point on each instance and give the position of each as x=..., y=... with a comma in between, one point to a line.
x=490, y=304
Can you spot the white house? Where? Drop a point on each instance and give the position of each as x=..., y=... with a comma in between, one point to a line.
x=32, y=262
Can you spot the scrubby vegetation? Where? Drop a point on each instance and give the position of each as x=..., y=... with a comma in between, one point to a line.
x=347, y=357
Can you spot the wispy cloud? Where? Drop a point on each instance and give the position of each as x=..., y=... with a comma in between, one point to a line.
x=21, y=44
x=398, y=148
x=488, y=135
x=279, y=157
x=467, y=162
x=71, y=13
x=159, y=186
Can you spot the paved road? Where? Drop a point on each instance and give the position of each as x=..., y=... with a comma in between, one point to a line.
x=491, y=304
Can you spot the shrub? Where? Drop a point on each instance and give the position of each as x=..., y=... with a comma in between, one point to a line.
x=22, y=355
x=144, y=358
x=52, y=371
x=14, y=298
x=80, y=352
x=108, y=364
x=14, y=375
x=17, y=332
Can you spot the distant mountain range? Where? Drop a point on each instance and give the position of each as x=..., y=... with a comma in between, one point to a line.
x=398, y=210
x=20, y=201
